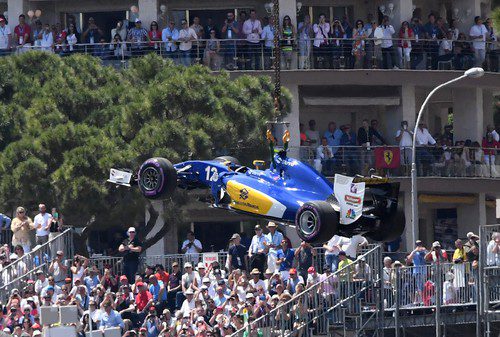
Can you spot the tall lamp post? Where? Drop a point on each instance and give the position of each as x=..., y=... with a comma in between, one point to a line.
x=471, y=73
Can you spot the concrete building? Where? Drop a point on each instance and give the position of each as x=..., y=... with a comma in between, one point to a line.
x=448, y=205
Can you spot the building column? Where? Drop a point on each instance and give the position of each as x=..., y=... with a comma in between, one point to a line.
x=293, y=118
x=16, y=8
x=481, y=203
x=148, y=11
x=468, y=113
x=403, y=10
x=464, y=11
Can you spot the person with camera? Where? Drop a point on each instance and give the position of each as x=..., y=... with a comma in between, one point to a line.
x=388, y=51
x=192, y=248
x=78, y=267
x=131, y=249
x=22, y=226
x=152, y=323
x=59, y=267
x=436, y=255
x=321, y=43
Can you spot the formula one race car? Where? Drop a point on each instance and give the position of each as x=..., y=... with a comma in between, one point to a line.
x=289, y=192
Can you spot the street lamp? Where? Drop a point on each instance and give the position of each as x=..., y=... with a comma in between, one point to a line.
x=471, y=73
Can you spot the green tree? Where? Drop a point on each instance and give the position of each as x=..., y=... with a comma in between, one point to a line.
x=64, y=122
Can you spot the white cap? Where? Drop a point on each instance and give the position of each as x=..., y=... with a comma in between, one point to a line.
x=131, y=229
x=201, y=265
x=35, y=333
x=205, y=279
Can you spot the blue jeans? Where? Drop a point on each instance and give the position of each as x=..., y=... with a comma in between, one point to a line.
x=186, y=57
x=332, y=261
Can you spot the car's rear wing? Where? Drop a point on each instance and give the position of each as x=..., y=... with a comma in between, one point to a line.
x=120, y=177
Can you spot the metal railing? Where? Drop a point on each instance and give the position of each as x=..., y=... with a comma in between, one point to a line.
x=38, y=256
x=395, y=161
x=304, y=53
x=313, y=310
x=19, y=282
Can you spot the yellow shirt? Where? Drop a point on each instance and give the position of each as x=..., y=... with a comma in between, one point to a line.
x=459, y=253
x=345, y=275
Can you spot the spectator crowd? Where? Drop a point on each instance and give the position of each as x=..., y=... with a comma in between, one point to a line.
x=341, y=149
x=247, y=42
x=197, y=299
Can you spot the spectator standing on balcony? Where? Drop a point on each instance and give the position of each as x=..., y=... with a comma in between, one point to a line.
x=332, y=249
x=423, y=140
x=170, y=35
x=288, y=36
x=236, y=254
x=92, y=34
x=459, y=259
x=325, y=153
x=209, y=27
x=21, y=226
x=285, y=257
x=436, y=255
x=432, y=47
x=37, y=34
x=268, y=36
x=376, y=138
x=358, y=48
x=388, y=54
x=192, y=247
x=404, y=136
x=493, y=250
x=333, y=135
x=22, y=32
x=131, y=249
x=138, y=38
x=305, y=32
x=252, y=29
x=47, y=42
x=321, y=43
x=186, y=37
x=490, y=148
x=56, y=223
x=492, y=40
x=211, y=54
x=478, y=33
x=312, y=134
x=230, y=32
x=494, y=133
x=446, y=48
x=120, y=29
x=72, y=38
x=273, y=244
x=258, y=249
x=418, y=258
x=154, y=35
x=337, y=35
x=462, y=52
x=404, y=45
x=417, y=50
x=348, y=141
x=304, y=255
x=5, y=37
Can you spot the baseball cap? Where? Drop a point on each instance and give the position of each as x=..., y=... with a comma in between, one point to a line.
x=311, y=270
x=201, y=265
x=436, y=244
x=37, y=333
x=123, y=278
x=60, y=252
x=39, y=272
x=50, y=288
x=143, y=329
x=258, y=228
x=138, y=20
x=130, y=229
x=152, y=309
x=235, y=236
x=249, y=295
x=293, y=271
x=188, y=265
x=418, y=242
x=189, y=291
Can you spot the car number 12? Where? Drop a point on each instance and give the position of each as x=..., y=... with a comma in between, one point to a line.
x=212, y=174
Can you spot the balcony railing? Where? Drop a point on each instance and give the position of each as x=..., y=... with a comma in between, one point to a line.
x=341, y=53
x=395, y=161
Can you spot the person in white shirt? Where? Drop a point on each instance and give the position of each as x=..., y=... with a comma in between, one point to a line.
x=255, y=281
x=186, y=37
x=41, y=283
x=192, y=247
x=404, y=137
x=258, y=249
x=325, y=154
x=273, y=243
x=252, y=29
x=47, y=42
x=268, y=36
x=351, y=247
x=332, y=249
x=5, y=37
x=423, y=156
x=312, y=134
x=42, y=224
x=478, y=34
x=446, y=48
x=320, y=44
x=388, y=54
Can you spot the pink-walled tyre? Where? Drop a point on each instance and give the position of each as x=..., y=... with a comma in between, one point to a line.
x=316, y=221
x=157, y=178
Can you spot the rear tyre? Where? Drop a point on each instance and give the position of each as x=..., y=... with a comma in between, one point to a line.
x=391, y=227
x=230, y=159
x=316, y=221
x=157, y=178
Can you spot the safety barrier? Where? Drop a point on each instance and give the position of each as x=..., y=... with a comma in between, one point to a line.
x=332, y=53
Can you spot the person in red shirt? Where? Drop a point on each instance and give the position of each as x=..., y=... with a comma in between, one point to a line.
x=436, y=255
x=22, y=32
x=161, y=274
x=490, y=147
x=144, y=298
x=154, y=35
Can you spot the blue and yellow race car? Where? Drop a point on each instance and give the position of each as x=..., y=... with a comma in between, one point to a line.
x=289, y=192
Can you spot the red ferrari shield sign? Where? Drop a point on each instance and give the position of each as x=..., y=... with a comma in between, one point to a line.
x=387, y=157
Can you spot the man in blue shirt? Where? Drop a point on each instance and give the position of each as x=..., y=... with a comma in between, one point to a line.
x=333, y=135
x=273, y=243
x=417, y=256
x=432, y=33
x=285, y=260
x=170, y=35
x=110, y=318
x=157, y=289
x=258, y=250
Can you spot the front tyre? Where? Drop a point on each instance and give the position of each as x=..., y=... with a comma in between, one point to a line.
x=157, y=178
x=316, y=221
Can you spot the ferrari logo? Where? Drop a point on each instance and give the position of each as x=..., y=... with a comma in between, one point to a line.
x=388, y=156
x=244, y=194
